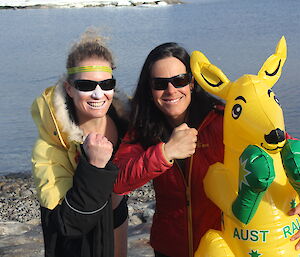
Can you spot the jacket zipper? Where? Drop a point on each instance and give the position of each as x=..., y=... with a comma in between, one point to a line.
x=188, y=196
x=190, y=217
x=189, y=208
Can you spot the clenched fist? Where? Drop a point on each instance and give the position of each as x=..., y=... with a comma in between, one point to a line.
x=182, y=143
x=98, y=149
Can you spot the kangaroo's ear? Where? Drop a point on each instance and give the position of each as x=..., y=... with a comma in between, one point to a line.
x=271, y=69
x=208, y=76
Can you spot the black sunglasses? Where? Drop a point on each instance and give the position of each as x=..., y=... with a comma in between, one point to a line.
x=177, y=81
x=90, y=85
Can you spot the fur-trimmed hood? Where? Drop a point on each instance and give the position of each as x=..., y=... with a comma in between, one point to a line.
x=63, y=116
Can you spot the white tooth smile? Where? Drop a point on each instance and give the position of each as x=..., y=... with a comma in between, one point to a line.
x=172, y=100
x=96, y=104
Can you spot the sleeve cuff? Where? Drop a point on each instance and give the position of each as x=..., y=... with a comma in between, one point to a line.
x=170, y=162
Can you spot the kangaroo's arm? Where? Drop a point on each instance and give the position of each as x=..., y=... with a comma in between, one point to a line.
x=290, y=155
x=256, y=173
x=219, y=189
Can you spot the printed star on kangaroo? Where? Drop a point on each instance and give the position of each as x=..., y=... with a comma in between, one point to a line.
x=244, y=173
x=293, y=203
x=254, y=253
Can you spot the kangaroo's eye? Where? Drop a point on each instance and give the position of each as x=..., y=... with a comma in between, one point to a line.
x=236, y=111
x=275, y=97
x=276, y=100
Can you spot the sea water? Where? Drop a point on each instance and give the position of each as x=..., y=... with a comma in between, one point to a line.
x=236, y=35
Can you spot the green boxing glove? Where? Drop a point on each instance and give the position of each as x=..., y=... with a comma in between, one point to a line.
x=290, y=155
x=255, y=176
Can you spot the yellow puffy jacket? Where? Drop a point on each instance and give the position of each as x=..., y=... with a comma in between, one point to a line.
x=57, y=148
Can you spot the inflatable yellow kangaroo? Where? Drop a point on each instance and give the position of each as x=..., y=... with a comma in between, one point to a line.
x=258, y=182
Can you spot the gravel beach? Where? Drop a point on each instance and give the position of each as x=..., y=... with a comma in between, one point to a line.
x=20, y=228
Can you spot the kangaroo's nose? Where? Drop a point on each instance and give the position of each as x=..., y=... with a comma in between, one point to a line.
x=275, y=136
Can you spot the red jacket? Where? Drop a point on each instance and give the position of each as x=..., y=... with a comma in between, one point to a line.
x=183, y=212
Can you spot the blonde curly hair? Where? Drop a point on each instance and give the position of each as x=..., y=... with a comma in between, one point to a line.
x=91, y=44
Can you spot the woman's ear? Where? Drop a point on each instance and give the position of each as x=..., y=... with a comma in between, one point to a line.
x=68, y=88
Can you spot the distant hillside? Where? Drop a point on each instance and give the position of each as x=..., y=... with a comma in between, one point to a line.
x=25, y=4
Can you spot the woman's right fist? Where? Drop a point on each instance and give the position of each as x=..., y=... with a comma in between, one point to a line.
x=182, y=143
x=98, y=149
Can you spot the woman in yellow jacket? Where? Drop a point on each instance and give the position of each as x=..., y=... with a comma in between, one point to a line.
x=79, y=129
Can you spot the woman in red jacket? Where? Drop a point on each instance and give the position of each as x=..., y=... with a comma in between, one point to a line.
x=175, y=135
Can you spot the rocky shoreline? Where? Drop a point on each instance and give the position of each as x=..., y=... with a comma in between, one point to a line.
x=20, y=228
x=47, y=4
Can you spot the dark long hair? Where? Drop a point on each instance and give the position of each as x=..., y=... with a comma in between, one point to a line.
x=148, y=124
